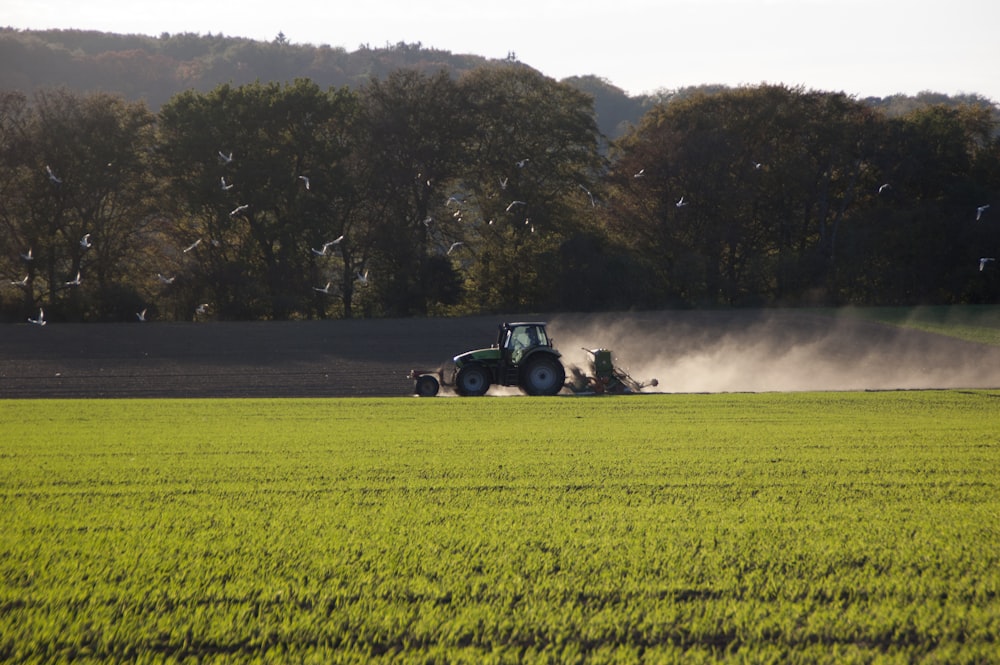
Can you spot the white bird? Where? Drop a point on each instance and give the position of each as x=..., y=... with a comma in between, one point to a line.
x=202, y=308
x=163, y=278
x=326, y=246
x=74, y=282
x=983, y=261
x=641, y=173
x=85, y=241
x=592, y=202
x=226, y=158
x=503, y=182
x=325, y=289
x=52, y=176
x=980, y=210
x=522, y=162
x=454, y=246
x=453, y=199
x=428, y=220
x=305, y=179
x=225, y=185
x=238, y=209
x=40, y=321
x=363, y=278
x=884, y=187
x=515, y=203
x=29, y=256
x=20, y=282
x=757, y=166
x=141, y=316
x=191, y=247
x=681, y=202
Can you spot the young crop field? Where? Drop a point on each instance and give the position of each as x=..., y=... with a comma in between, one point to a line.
x=770, y=527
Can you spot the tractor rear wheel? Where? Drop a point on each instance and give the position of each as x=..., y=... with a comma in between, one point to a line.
x=543, y=375
x=426, y=386
x=472, y=381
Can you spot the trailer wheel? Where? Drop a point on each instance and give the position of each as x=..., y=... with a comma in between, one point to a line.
x=472, y=381
x=543, y=375
x=426, y=386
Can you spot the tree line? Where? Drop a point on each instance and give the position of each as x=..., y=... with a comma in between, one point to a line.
x=493, y=191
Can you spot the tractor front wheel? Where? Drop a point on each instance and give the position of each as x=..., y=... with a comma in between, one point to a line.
x=427, y=386
x=472, y=381
x=543, y=375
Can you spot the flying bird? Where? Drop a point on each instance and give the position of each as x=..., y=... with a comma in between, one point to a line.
x=503, y=182
x=201, y=309
x=225, y=185
x=85, y=241
x=983, y=261
x=592, y=202
x=325, y=289
x=19, y=282
x=52, y=176
x=191, y=247
x=516, y=203
x=141, y=316
x=326, y=246
x=238, y=209
x=520, y=163
x=641, y=173
x=454, y=246
x=164, y=279
x=305, y=179
x=681, y=202
x=884, y=187
x=29, y=256
x=226, y=159
x=74, y=282
x=757, y=166
x=363, y=278
x=980, y=210
x=40, y=321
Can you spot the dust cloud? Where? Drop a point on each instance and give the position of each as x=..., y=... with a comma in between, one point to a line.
x=776, y=350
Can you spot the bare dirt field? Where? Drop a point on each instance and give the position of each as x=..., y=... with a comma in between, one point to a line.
x=687, y=351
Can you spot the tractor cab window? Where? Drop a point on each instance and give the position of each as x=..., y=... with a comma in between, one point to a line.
x=524, y=337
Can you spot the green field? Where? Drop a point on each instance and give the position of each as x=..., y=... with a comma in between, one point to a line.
x=809, y=527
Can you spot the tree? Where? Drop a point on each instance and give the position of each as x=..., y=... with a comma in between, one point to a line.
x=529, y=171
x=413, y=128
x=739, y=196
x=258, y=172
x=86, y=199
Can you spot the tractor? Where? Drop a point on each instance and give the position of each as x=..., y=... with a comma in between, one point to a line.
x=523, y=356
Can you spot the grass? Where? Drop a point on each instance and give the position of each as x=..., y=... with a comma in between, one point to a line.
x=821, y=527
x=973, y=323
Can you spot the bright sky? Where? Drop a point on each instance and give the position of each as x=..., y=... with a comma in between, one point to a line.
x=861, y=47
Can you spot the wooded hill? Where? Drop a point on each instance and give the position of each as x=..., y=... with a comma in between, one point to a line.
x=154, y=69
x=418, y=191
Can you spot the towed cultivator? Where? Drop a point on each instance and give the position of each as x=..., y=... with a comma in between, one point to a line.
x=525, y=356
x=603, y=377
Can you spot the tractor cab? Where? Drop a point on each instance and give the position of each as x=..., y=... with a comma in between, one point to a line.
x=516, y=339
x=518, y=342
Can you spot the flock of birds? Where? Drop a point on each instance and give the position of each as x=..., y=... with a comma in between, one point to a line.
x=362, y=277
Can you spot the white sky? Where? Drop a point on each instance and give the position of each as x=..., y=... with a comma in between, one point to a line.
x=861, y=47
